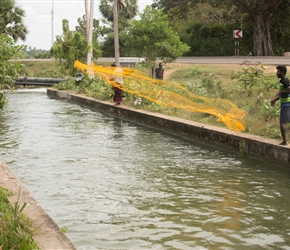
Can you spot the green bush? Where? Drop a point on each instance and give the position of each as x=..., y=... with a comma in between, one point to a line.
x=269, y=112
x=250, y=77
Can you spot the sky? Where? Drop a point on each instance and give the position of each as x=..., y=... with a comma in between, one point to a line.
x=44, y=27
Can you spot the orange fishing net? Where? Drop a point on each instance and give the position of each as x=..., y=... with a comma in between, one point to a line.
x=171, y=94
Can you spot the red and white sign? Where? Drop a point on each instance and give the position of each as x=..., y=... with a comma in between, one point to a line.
x=238, y=33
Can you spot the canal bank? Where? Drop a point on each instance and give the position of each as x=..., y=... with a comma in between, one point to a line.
x=47, y=234
x=245, y=143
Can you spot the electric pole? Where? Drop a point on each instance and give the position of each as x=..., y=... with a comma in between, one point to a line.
x=89, y=23
x=116, y=33
x=52, y=23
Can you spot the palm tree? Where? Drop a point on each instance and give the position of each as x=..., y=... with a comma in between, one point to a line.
x=11, y=20
x=126, y=9
x=112, y=10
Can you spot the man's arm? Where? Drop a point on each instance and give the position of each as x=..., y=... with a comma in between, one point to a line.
x=275, y=99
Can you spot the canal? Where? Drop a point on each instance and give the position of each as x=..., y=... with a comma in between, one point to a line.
x=117, y=185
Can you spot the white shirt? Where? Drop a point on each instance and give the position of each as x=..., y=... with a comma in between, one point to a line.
x=118, y=79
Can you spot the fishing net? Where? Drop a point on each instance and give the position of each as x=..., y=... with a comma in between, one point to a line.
x=170, y=94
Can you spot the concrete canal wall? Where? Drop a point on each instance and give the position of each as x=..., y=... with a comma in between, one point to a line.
x=247, y=144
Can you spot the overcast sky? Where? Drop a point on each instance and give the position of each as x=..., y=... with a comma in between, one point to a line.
x=39, y=18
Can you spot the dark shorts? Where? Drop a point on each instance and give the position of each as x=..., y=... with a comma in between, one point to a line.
x=118, y=98
x=285, y=114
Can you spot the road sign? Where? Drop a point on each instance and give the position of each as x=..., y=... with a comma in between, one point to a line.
x=238, y=33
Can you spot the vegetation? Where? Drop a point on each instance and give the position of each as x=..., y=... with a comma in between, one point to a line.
x=69, y=47
x=206, y=26
x=12, y=28
x=8, y=71
x=152, y=37
x=49, y=69
x=37, y=53
x=127, y=9
x=11, y=20
x=250, y=87
x=16, y=231
x=262, y=20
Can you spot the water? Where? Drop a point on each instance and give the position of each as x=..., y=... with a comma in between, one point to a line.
x=118, y=185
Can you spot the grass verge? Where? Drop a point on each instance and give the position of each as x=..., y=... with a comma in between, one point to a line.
x=15, y=228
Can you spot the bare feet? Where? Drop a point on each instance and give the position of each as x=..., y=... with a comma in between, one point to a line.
x=283, y=143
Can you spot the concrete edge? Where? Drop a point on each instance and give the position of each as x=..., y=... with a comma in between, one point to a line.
x=242, y=142
x=47, y=234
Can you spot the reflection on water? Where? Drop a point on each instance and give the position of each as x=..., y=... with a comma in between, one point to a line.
x=117, y=185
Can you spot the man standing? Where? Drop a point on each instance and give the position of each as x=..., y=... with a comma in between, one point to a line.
x=117, y=85
x=284, y=96
x=159, y=72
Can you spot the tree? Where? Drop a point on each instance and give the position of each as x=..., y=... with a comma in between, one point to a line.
x=11, y=20
x=8, y=70
x=72, y=45
x=37, y=53
x=113, y=10
x=208, y=29
x=259, y=15
x=126, y=9
x=280, y=31
x=82, y=29
x=178, y=7
x=68, y=47
x=152, y=37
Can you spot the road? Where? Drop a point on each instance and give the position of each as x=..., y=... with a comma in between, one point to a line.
x=271, y=60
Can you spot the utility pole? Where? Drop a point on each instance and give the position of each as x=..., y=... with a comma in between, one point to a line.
x=89, y=24
x=52, y=17
x=116, y=33
x=52, y=23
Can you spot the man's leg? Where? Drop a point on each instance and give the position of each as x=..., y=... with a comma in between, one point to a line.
x=283, y=134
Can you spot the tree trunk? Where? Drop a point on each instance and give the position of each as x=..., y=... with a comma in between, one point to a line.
x=262, y=37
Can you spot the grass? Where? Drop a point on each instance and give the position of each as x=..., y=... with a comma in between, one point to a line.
x=15, y=228
x=261, y=119
x=48, y=69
